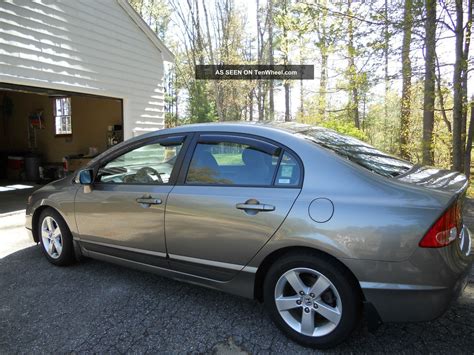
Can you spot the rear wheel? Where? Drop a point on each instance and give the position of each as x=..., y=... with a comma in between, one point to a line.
x=55, y=238
x=312, y=299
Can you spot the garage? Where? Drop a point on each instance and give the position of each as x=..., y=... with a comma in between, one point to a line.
x=73, y=82
x=49, y=133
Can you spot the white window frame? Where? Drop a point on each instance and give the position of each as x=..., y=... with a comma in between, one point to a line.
x=62, y=116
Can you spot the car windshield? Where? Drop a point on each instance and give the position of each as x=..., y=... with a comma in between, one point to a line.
x=357, y=151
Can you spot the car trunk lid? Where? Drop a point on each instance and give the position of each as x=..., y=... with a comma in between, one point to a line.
x=437, y=179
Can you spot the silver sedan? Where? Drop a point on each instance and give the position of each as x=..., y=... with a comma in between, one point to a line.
x=318, y=226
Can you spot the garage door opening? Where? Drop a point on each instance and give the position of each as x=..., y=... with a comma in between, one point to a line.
x=46, y=134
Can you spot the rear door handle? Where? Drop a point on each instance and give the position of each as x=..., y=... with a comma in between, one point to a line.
x=255, y=207
x=147, y=201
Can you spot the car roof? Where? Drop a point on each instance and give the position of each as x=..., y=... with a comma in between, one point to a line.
x=266, y=128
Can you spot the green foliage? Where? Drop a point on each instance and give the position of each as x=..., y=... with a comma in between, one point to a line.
x=353, y=44
x=170, y=120
x=382, y=123
x=156, y=13
x=345, y=127
x=382, y=126
x=339, y=125
x=200, y=108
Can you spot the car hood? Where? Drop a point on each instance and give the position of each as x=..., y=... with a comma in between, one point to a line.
x=437, y=179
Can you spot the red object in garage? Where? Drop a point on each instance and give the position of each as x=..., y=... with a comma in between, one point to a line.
x=15, y=167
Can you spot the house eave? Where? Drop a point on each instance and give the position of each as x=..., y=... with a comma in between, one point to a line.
x=168, y=56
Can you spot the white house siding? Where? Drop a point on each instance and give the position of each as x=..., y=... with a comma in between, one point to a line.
x=86, y=46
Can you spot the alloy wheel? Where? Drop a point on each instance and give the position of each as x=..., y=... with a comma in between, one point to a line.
x=51, y=237
x=308, y=302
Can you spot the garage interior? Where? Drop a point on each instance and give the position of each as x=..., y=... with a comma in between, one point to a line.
x=46, y=134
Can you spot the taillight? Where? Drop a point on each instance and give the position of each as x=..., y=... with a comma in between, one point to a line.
x=445, y=230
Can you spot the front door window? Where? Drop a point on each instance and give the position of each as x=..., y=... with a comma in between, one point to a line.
x=148, y=164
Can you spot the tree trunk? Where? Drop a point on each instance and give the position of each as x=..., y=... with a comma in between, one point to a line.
x=260, y=46
x=464, y=74
x=323, y=85
x=324, y=53
x=251, y=105
x=301, y=108
x=406, y=80
x=386, y=47
x=286, y=51
x=467, y=154
x=352, y=70
x=271, y=103
x=217, y=89
x=441, y=98
x=457, y=90
x=287, y=102
x=429, y=89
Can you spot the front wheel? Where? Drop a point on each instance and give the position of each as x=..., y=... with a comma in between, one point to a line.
x=55, y=238
x=312, y=299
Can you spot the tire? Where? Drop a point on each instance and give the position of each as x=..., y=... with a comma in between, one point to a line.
x=55, y=238
x=327, y=288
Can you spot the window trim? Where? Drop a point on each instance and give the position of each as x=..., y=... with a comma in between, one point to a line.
x=55, y=116
x=141, y=143
x=181, y=180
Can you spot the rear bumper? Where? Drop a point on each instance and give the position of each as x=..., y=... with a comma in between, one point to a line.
x=420, y=288
x=412, y=303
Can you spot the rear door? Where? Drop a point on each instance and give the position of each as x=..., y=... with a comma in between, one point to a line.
x=234, y=195
x=123, y=215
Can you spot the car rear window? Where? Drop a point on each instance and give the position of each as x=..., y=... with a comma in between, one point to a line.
x=358, y=152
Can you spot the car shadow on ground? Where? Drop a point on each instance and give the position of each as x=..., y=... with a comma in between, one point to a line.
x=99, y=307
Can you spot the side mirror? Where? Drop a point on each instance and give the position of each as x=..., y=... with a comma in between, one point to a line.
x=86, y=178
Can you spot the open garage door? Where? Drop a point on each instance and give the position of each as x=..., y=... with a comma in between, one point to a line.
x=46, y=133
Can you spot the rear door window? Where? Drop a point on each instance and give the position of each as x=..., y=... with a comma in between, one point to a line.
x=289, y=171
x=221, y=160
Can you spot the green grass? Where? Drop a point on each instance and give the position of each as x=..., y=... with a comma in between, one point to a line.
x=229, y=159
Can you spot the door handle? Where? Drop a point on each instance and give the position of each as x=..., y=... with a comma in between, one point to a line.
x=254, y=206
x=147, y=201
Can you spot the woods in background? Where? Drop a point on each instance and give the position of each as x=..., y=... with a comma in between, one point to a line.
x=394, y=73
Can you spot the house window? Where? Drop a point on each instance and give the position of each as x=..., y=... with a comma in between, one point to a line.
x=62, y=115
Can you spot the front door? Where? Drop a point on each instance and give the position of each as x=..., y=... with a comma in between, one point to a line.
x=123, y=215
x=236, y=193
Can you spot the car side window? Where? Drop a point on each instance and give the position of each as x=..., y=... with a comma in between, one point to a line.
x=148, y=164
x=230, y=162
x=289, y=171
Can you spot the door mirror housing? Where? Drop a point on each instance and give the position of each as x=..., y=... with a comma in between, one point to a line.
x=86, y=178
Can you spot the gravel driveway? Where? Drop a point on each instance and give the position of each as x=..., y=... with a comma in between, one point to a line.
x=100, y=307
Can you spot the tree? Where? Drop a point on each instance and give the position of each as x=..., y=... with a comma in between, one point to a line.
x=406, y=80
x=313, y=22
x=156, y=13
x=467, y=156
x=355, y=44
x=462, y=33
x=285, y=22
x=352, y=69
x=260, y=51
x=429, y=87
x=271, y=61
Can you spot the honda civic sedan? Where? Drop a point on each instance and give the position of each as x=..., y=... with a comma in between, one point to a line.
x=318, y=226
